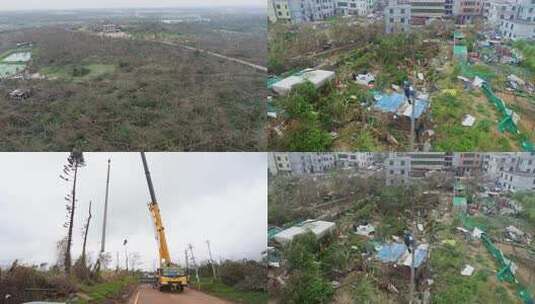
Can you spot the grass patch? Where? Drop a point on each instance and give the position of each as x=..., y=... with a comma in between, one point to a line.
x=79, y=72
x=451, y=287
x=218, y=289
x=102, y=291
x=448, y=112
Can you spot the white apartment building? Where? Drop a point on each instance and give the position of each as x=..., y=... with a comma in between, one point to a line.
x=354, y=7
x=297, y=11
x=522, y=25
x=397, y=170
x=271, y=12
x=354, y=159
x=517, y=181
x=397, y=16
x=514, y=171
x=498, y=10
x=298, y=163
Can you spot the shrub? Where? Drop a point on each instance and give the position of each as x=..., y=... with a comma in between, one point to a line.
x=308, y=137
x=248, y=275
x=307, y=287
x=300, y=253
x=80, y=71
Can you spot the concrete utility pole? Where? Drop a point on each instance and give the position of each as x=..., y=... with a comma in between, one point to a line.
x=103, y=244
x=409, y=93
x=211, y=260
x=126, y=254
x=195, y=265
x=410, y=242
x=187, y=262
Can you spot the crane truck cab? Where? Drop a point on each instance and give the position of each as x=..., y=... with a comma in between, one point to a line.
x=171, y=278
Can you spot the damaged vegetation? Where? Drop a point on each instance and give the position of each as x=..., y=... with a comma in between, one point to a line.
x=354, y=263
x=346, y=113
x=101, y=93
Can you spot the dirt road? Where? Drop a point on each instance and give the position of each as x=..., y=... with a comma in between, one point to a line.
x=148, y=295
x=240, y=61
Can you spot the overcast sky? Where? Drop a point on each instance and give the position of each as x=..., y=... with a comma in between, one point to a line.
x=75, y=4
x=221, y=197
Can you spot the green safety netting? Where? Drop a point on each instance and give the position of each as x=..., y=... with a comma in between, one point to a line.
x=459, y=201
x=507, y=123
x=505, y=272
x=458, y=35
x=460, y=52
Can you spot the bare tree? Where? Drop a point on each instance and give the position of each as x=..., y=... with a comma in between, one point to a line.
x=61, y=249
x=135, y=260
x=70, y=170
x=86, y=230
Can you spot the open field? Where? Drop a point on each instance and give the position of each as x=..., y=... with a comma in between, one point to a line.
x=101, y=93
x=144, y=92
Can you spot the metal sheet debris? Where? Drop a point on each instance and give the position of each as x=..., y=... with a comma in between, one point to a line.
x=365, y=230
x=468, y=120
x=319, y=228
x=317, y=77
x=467, y=270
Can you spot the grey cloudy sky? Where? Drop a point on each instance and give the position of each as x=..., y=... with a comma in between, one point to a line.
x=221, y=197
x=74, y=4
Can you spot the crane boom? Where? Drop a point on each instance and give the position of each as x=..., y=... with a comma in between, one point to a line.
x=165, y=257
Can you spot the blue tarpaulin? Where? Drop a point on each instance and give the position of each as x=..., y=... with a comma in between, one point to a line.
x=398, y=253
x=390, y=103
x=391, y=252
x=421, y=107
x=397, y=103
x=420, y=256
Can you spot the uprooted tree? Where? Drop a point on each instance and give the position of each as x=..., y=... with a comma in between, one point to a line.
x=75, y=161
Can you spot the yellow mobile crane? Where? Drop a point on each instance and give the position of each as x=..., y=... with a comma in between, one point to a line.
x=169, y=276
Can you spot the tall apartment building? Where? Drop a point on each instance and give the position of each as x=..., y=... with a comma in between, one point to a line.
x=448, y=8
x=522, y=25
x=354, y=7
x=423, y=162
x=299, y=163
x=466, y=10
x=354, y=159
x=496, y=11
x=297, y=11
x=401, y=167
x=423, y=10
x=397, y=16
x=467, y=163
x=285, y=10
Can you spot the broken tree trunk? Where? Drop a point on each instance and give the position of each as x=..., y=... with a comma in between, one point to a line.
x=85, y=234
